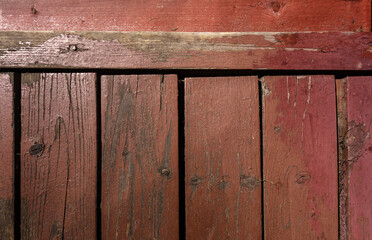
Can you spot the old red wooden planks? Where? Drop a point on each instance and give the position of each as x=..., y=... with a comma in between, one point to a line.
x=140, y=157
x=222, y=162
x=188, y=16
x=358, y=143
x=58, y=156
x=6, y=157
x=300, y=157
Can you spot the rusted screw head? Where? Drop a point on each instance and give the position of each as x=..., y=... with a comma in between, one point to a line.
x=165, y=172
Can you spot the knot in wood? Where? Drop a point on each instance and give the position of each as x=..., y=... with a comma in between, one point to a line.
x=302, y=177
x=37, y=149
x=249, y=182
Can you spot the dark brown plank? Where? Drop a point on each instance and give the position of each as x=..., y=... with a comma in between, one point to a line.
x=189, y=16
x=343, y=164
x=6, y=157
x=58, y=156
x=171, y=50
x=300, y=157
x=140, y=157
x=222, y=162
x=359, y=156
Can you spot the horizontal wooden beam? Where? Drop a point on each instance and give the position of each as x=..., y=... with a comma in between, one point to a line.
x=186, y=50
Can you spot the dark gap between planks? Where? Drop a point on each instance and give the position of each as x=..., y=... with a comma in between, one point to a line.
x=260, y=104
x=200, y=73
x=99, y=159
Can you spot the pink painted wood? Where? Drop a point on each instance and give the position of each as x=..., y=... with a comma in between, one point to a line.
x=6, y=157
x=222, y=162
x=188, y=16
x=140, y=157
x=300, y=157
x=359, y=147
x=58, y=156
x=164, y=50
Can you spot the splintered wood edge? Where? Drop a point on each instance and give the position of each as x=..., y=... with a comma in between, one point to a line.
x=186, y=50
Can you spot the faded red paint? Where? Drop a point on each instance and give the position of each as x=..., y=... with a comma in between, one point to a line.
x=6, y=157
x=223, y=178
x=139, y=157
x=188, y=16
x=162, y=50
x=58, y=156
x=300, y=157
x=359, y=146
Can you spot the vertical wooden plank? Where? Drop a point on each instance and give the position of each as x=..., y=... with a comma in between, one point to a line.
x=6, y=157
x=58, y=156
x=343, y=164
x=300, y=157
x=140, y=157
x=222, y=162
x=359, y=157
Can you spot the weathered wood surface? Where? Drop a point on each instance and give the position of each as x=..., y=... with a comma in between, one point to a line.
x=6, y=157
x=140, y=157
x=359, y=157
x=172, y=50
x=343, y=164
x=300, y=157
x=193, y=15
x=222, y=158
x=58, y=156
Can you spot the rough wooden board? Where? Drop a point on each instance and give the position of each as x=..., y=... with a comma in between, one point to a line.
x=58, y=156
x=6, y=157
x=190, y=16
x=171, y=50
x=300, y=157
x=343, y=164
x=140, y=157
x=222, y=162
x=359, y=157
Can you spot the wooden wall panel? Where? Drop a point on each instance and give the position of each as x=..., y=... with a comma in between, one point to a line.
x=222, y=162
x=189, y=16
x=359, y=157
x=58, y=156
x=174, y=50
x=140, y=157
x=300, y=157
x=6, y=157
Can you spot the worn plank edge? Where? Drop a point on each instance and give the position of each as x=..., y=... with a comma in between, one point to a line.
x=186, y=50
x=342, y=128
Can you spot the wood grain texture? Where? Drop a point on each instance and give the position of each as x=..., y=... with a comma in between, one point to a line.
x=6, y=157
x=300, y=157
x=222, y=158
x=343, y=164
x=140, y=157
x=58, y=156
x=359, y=157
x=171, y=50
x=188, y=16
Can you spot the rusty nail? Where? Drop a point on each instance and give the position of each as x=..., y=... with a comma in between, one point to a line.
x=72, y=48
x=165, y=172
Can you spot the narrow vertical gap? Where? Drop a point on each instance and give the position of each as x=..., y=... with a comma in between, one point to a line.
x=261, y=104
x=17, y=154
x=181, y=156
x=99, y=158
